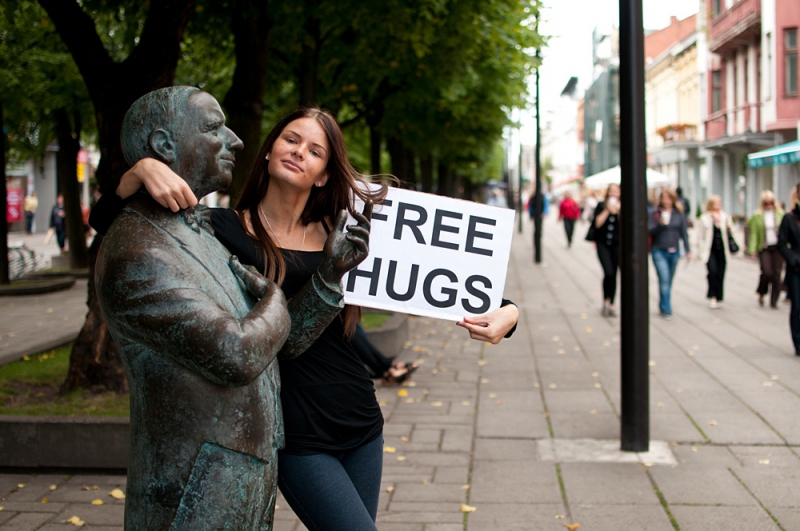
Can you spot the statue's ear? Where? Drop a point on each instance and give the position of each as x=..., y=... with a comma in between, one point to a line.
x=163, y=145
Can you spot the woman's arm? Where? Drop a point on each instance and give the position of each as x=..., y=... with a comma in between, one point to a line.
x=494, y=326
x=602, y=216
x=685, y=237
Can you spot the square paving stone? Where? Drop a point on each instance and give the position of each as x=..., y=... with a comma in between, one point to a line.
x=585, y=425
x=451, y=475
x=432, y=493
x=777, y=456
x=705, y=456
x=525, y=482
x=620, y=517
x=516, y=517
x=704, y=486
x=487, y=449
x=607, y=483
x=722, y=518
x=774, y=487
x=27, y=521
x=788, y=518
x=575, y=401
x=110, y=515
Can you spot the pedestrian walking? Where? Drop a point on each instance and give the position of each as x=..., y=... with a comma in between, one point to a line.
x=29, y=205
x=604, y=231
x=570, y=212
x=330, y=468
x=713, y=243
x=58, y=223
x=763, y=246
x=789, y=247
x=667, y=228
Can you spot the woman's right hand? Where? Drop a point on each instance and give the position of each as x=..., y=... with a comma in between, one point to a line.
x=345, y=250
x=163, y=184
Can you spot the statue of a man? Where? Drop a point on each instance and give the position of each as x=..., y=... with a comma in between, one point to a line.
x=198, y=334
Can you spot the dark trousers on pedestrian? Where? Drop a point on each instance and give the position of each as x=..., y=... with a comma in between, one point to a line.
x=569, y=226
x=61, y=238
x=29, y=222
x=716, y=274
x=771, y=267
x=794, y=313
x=609, y=260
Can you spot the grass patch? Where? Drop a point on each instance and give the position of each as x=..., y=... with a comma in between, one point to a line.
x=31, y=387
x=374, y=320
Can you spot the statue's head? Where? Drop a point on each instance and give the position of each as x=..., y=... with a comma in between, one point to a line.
x=184, y=128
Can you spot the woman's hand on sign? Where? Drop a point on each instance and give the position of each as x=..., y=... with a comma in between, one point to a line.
x=163, y=184
x=345, y=250
x=493, y=326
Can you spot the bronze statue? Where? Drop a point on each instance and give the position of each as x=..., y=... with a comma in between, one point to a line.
x=199, y=334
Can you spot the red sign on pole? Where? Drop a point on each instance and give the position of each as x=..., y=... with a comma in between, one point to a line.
x=14, y=198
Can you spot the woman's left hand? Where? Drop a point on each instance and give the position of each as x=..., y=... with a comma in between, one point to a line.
x=345, y=250
x=493, y=326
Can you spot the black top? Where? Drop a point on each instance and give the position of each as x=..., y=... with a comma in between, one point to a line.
x=608, y=232
x=717, y=246
x=668, y=236
x=789, y=239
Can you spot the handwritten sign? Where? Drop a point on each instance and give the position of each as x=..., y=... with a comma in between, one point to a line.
x=433, y=256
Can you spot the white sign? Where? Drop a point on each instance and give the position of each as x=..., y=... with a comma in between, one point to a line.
x=433, y=256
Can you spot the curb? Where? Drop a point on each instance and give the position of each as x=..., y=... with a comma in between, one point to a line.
x=37, y=286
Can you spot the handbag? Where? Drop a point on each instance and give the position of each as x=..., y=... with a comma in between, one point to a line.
x=592, y=232
x=733, y=247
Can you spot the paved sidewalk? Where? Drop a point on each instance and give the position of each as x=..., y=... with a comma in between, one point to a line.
x=526, y=432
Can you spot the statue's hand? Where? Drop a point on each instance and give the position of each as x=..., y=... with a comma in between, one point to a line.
x=256, y=284
x=344, y=251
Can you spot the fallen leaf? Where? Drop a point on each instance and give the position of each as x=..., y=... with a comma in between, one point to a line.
x=409, y=400
x=45, y=500
x=774, y=377
x=425, y=481
x=481, y=363
x=468, y=508
x=492, y=395
x=556, y=338
x=648, y=464
x=434, y=371
x=712, y=422
x=606, y=343
x=572, y=527
x=117, y=494
x=767, y=384
x=389, y=450
x=465, y=487
x=694, y=449
x=97, y=502
x=49, y=310
x=85, y=487
x=552, y=386
x=559, y=517
x=436, y=404
x=419, y=348
x=95, y=487
x=561, y=351
x=402, y=392
x=592, y=411
x=763, y=462
x=584, y=316
x=695, y=347
x=465, y=403
x=690, y=353
x=76, y=521
x=588, y=329
x=500, y=402
x=598, y=385
x=595, y=374
x=652, y=363
x=390, y=489
x=401, y=458
x=409, y=384
x=383, y=402
x=1, y=508
x=484, y=380
x=53, y=487
x=405, y=439
x=660, y=404
x=679, y=390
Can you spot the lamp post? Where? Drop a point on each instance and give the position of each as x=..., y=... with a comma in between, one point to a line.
x=538, y=202
x=634, y=319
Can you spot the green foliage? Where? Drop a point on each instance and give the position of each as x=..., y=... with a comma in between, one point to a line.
x=37, y=75
x=372, y=320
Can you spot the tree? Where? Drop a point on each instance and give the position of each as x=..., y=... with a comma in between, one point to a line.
x=138, y=52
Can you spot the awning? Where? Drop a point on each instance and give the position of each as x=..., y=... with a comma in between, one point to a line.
x=783, y=154
x=655, y=179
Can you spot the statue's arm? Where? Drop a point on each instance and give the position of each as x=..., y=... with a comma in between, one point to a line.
x=311, y=311
x=183, y=322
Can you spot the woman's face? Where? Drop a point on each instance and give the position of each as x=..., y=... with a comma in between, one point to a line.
x=715, y=205
x=666, y=201
x=300, y=154
x=613, y=191
x=768, y=204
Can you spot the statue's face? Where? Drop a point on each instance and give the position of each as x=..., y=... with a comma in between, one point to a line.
x=207, y=148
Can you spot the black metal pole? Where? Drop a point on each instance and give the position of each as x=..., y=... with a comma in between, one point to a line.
x=538, y=202
x=634, y=320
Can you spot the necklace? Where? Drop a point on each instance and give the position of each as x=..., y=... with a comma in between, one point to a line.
x=261, y=211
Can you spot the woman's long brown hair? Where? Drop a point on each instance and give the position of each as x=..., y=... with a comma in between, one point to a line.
x=324, y=202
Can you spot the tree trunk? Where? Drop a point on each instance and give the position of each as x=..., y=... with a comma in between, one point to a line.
x=426, y=173
x=244, y=102
x=410, y=165
x=374, y=150
x=67, y=170
x=3, y=222
x=94, y=362
x=445, y=184
x=113, y=87
x=310, y=62
x=469, y=189
x=397, y=155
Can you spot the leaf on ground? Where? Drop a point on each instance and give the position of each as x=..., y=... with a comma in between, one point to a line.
x=572, y=527
x=712, y=422
x=402, y=392
x=492, y=395
x=763, y=462
x=85, y=487
x=117, y=494
x=401, y=458
x=468, y=508
x=694, y=449
x=436, y=404
x=405, y=439
x=389, y=450
x=76, y=521
x=465, y=403
x=556, y=338
x=97, y=502
x=552, y=386
x=588, y=329
x=409, y=400
x=20, y=485
x=419, y=348
x=774, y=376
x=390, y=489
x=383, y=402
x=53, y=487
x=559, y=517
x=45, y=500
x=465, y=487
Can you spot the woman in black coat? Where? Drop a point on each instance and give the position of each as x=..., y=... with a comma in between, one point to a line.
x=789, y=247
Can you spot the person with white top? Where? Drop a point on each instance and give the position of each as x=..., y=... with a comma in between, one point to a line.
x=763, y=245
x=713, y=232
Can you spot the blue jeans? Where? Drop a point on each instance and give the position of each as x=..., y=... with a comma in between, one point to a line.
x=334, y=492
x=666, y=262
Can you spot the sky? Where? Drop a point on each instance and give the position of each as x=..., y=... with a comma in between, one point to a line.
x=569, y=24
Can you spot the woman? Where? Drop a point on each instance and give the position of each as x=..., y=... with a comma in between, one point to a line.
x=763, y=245
x=714, y=229
x=667, y=228
x=789, y=247
x=330, y=469
x=606, y=236
x=570, y=212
